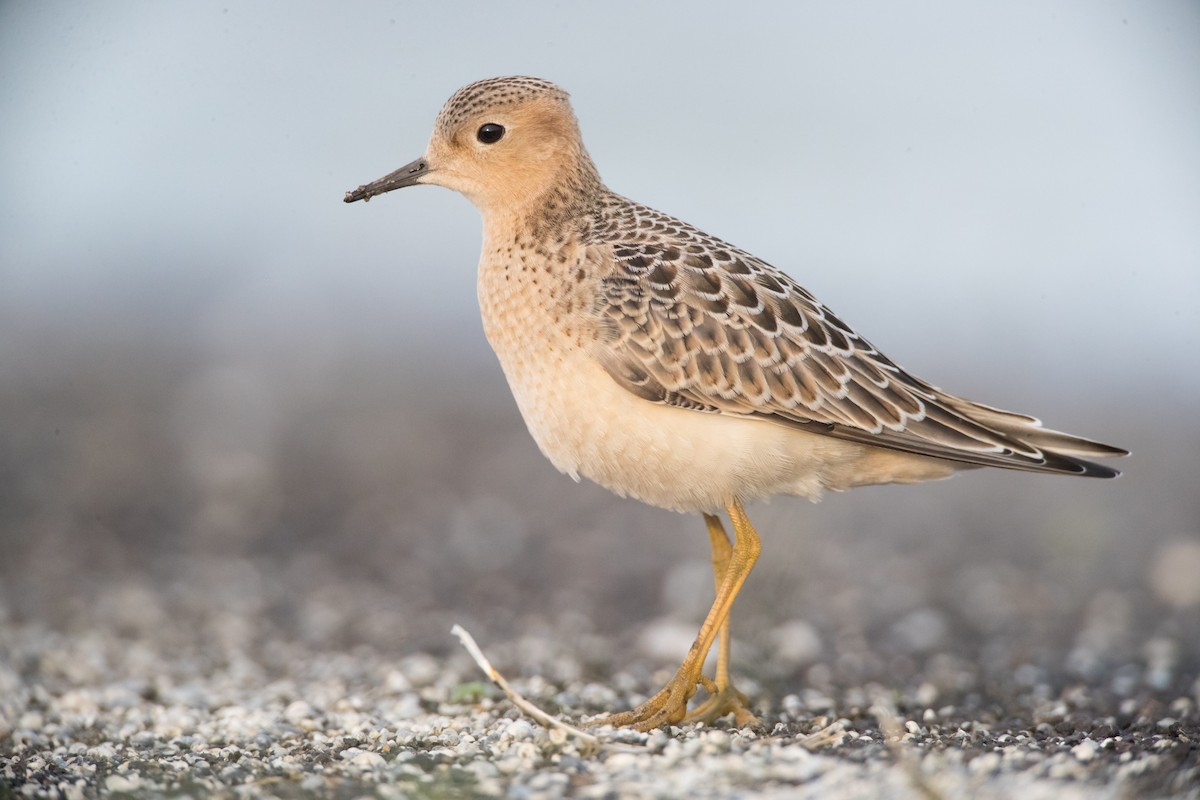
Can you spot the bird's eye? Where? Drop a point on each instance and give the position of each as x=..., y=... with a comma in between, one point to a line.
x=490, y=133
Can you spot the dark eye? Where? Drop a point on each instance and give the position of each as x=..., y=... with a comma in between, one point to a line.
x=490, y=133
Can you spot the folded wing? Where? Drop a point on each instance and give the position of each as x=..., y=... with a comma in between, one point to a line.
x=692, y=322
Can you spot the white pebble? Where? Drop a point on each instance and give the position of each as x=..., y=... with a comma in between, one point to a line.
x=1085, y=750
x=297, y=711
x=518, y=730
x=122, y=783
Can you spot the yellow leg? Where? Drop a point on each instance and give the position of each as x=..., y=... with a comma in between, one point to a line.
x=722, y=549
x=723, y=697
x=670, y=704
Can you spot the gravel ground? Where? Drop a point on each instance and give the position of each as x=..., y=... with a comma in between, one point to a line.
x=226, y=575
x=222, y=709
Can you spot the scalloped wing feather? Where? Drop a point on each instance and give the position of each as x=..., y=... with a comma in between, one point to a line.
x=692, y=322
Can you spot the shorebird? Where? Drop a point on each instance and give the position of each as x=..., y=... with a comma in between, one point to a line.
x=668, y=365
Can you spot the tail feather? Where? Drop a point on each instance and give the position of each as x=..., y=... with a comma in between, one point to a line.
x=1029, y=429
x=1060, y=449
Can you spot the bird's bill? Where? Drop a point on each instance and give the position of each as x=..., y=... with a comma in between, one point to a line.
x=408, y=175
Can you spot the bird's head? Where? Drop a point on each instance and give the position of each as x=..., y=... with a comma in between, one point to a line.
x=501, y=142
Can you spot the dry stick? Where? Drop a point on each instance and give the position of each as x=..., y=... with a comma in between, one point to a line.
x=517, y=700
x=831, y=735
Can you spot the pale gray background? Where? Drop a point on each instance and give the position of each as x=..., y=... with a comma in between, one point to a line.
x=222, y=388
x=1015, y=185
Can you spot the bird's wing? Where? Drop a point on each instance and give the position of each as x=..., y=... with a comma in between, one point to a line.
x=689, y=321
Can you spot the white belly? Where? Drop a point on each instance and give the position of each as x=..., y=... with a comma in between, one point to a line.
x=588, y=425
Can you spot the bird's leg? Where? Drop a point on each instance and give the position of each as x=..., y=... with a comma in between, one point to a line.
x=670, y=704
x=723, y=697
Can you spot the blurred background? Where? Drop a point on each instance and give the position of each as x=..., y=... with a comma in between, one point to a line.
x=233, y=407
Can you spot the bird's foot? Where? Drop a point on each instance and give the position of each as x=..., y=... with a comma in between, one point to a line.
x=668, y=707
x=722, y=700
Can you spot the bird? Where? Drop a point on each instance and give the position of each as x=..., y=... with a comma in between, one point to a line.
x=670, y=366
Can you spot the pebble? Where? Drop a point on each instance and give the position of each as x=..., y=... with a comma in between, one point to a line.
x=368, y=759
x=1085, y=750
x=518, y=730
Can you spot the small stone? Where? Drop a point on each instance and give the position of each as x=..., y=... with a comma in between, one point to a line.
x=396, y=682
x=988, y=762
x=32, y=720
x=926, y=694
x=104, y=751
x=122, y=783
x=518, y=730
x=297, y=711
x=1085, y=750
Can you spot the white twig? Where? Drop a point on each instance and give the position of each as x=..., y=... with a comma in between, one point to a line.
x=832, y=735
x=517, y=700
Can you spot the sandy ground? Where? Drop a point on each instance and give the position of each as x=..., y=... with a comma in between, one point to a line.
x=222, y=578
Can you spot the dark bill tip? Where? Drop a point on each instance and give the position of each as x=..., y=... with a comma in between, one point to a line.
x=408, y=175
